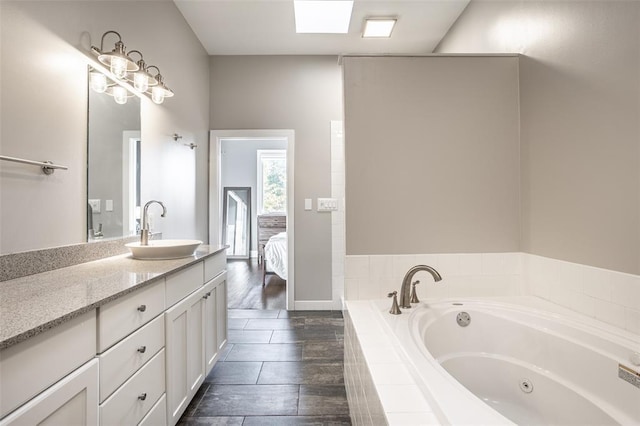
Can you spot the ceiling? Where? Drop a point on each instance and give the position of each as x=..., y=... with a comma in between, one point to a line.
x=267, y=27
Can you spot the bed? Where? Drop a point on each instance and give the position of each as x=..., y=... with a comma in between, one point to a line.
x=275, y=257
x=269, y=226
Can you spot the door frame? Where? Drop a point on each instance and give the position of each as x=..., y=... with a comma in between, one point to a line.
x=215, y=190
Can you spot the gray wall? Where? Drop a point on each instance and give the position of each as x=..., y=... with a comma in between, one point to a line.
x=580, y=107
x=240, y=168
x=303, y=93
x=43, y=86
x=432, y=155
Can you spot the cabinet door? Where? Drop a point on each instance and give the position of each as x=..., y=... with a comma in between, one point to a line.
x=212, y=320
x=71, y=401
x=221, y=312
x=185, y=353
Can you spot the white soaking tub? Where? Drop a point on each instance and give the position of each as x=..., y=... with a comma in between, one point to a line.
x=532, y=366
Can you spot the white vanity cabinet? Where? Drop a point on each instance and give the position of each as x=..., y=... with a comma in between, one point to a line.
x=52, y=376
x=136, y=360
x=196, y=328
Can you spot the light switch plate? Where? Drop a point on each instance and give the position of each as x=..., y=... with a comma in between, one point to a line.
x=108, y=205
x=95, y=205
x=327, y=204
x=308, y=204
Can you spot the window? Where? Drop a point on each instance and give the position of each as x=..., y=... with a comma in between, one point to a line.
x=272, y=181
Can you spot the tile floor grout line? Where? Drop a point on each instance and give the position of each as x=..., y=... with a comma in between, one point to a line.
x=260, y=372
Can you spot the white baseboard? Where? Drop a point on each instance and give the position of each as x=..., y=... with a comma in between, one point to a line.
x=318, y=305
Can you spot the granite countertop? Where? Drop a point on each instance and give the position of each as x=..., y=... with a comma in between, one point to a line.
x=36, y=303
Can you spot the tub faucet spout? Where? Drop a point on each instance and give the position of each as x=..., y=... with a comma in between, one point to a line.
x=406, y=283
x=144, y=233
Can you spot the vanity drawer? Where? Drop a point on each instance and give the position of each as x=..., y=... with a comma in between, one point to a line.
x=214, y=265
x=129, y=404
x=125, y=358
x=121, y=317
x=158, y=414
x=183, y=283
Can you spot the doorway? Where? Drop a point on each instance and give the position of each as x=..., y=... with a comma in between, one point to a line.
x=228, y=143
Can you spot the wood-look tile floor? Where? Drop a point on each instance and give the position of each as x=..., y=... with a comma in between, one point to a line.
x=279, y=368
x=245, y=289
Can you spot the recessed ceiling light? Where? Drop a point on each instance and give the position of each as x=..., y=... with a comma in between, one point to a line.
x=378, y=27
x=322, y=16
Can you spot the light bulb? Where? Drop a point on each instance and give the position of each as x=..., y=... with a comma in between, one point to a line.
x=140, y=81
x=98, y=81
x=157, y=94
x=120, y=95
x=119, y=67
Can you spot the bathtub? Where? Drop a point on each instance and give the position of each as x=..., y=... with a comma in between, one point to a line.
x=516, y=361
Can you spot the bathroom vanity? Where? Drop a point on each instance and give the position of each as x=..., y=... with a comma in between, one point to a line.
x=114, y=341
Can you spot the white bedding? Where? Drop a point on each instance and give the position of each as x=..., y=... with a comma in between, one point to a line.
x=275, y=254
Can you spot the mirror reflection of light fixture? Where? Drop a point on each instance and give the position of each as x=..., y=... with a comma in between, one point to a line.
x=117, y=60
x=98, y=81
x=159, y=91
x=119, y=94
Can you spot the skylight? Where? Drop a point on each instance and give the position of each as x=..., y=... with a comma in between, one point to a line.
x=322, y=16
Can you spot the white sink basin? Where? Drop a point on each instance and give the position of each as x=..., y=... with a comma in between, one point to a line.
x=164, y=249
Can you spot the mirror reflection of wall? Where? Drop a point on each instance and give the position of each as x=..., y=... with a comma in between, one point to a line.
x=236, y=219
x=113, y=160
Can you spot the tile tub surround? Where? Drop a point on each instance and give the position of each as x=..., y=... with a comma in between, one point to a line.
x=35, y=303
x=16, y=265
x=473, y=274
x=380, y=388
x=609, y=296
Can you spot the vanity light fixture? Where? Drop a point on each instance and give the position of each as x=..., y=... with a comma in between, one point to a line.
x=142, y=79
x=160, y=90
x=123, y=70
x=378, y=27
x=117, y=60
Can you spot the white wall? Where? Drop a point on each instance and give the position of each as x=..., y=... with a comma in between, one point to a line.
x=303, y=93
x=44, y=116
x=580, y=108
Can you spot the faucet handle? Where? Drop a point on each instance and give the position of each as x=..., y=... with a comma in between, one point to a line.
x=395, y=310
x=414, y=295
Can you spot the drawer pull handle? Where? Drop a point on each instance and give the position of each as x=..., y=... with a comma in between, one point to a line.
x=142, y=396
x=206, y=296
x=209, y=293
x=142, y=349
x=142, y=308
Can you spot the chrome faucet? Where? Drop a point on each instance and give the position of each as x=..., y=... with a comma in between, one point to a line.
x=406, y=283
x=144, y=233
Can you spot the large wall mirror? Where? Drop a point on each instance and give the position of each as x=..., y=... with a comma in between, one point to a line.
x=113, y=164
x=236, y=216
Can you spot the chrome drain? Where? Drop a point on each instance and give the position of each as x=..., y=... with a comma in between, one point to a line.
x=526, y=386
x=463, y=319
